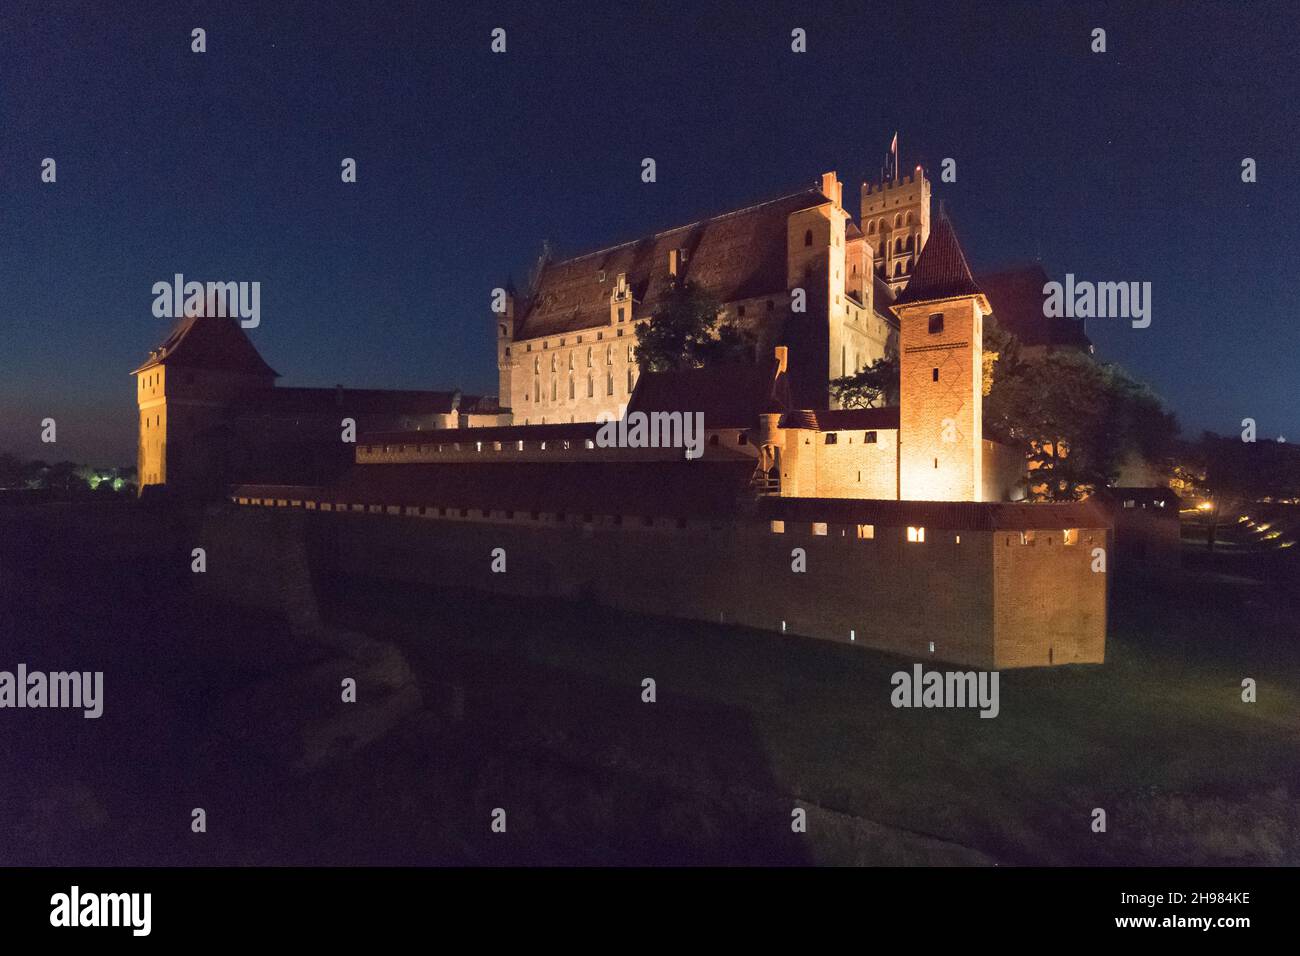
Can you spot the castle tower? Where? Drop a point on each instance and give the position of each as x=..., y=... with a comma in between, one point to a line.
x=896, y=222
x=941, y=376
x=505, y=335
x=183, y=391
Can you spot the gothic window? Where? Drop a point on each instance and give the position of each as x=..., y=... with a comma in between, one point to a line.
x=908, y=245
x=898, y=268
x=537, y=365
x=807, y=238
x=571, y=387
x=552, y=363
x=898, y=245
x=629, y=352
x=609, y=355
x=871, y=227
x=609, y=384
x=570, y=361
x=588, y=356
x=591, y=386
x=909, y=218
x=898, y=220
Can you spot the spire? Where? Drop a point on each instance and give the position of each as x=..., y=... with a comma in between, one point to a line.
x=941, y=270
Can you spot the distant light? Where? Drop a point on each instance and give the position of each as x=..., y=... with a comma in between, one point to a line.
x=1205, y=506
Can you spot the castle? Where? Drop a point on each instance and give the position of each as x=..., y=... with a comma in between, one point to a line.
x=900, y=516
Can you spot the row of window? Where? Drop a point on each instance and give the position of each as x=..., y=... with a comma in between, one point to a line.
x=883, y=222
x=536, y=395
x=914, y=534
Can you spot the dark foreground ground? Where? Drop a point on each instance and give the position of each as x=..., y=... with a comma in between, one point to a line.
x=467, y=704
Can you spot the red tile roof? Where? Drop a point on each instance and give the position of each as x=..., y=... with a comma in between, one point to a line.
x=1016, y=296
x=941, y=271
x=208, y=342
x=737, y=255
x=729, y=396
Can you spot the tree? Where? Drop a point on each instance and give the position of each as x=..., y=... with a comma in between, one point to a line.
x=1076, y=420
x=686, y=331
x=872, y=387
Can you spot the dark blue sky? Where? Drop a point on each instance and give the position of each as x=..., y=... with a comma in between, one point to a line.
x=225, y=165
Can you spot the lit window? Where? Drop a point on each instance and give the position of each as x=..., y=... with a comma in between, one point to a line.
x=819, y=527
x=866, y=531
x=1070, y=536
x=915, y=535
x=1028, y=537
x=778, y=527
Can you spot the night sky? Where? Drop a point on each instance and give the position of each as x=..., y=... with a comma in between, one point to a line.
x=225, y=166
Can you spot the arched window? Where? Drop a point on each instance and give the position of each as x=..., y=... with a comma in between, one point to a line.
x=898, y=268
x=909, y=219
x=552, y=388
x=591, y=385
x=629, y=380
x=537, y=365
x=570, y=387
x=807, y=238
x=871, y=228
x=588, y=356
x=609, y=355
x=537, y=389
x=898, y=220
x=552, y=363
x=570, y=361
x=629, y=352
x=898, y=244
x=908, y=244
x=609, y=384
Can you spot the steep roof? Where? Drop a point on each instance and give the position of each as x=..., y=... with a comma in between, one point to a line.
x=208, y=342
x=1016, y=296
x=941, y=271
x=729, y=396
x=736, y=255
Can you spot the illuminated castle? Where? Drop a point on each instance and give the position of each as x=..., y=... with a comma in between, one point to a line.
x=902, y=511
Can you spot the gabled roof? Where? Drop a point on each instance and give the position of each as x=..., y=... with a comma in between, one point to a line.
x=729, y=396
x=208, y=342
x=1016, y=296
x=736, y=255
x=941, y=271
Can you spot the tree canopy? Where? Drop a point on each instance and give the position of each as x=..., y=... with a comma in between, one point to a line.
x=687, y=331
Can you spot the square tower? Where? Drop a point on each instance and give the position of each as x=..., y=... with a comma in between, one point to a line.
x=941, y=376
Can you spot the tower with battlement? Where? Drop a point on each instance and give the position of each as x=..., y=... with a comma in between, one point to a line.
x=896, y=222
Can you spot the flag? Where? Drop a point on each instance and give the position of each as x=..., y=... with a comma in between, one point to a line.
x=893, y=152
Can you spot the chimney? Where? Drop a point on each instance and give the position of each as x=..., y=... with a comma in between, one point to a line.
x=782, y=358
